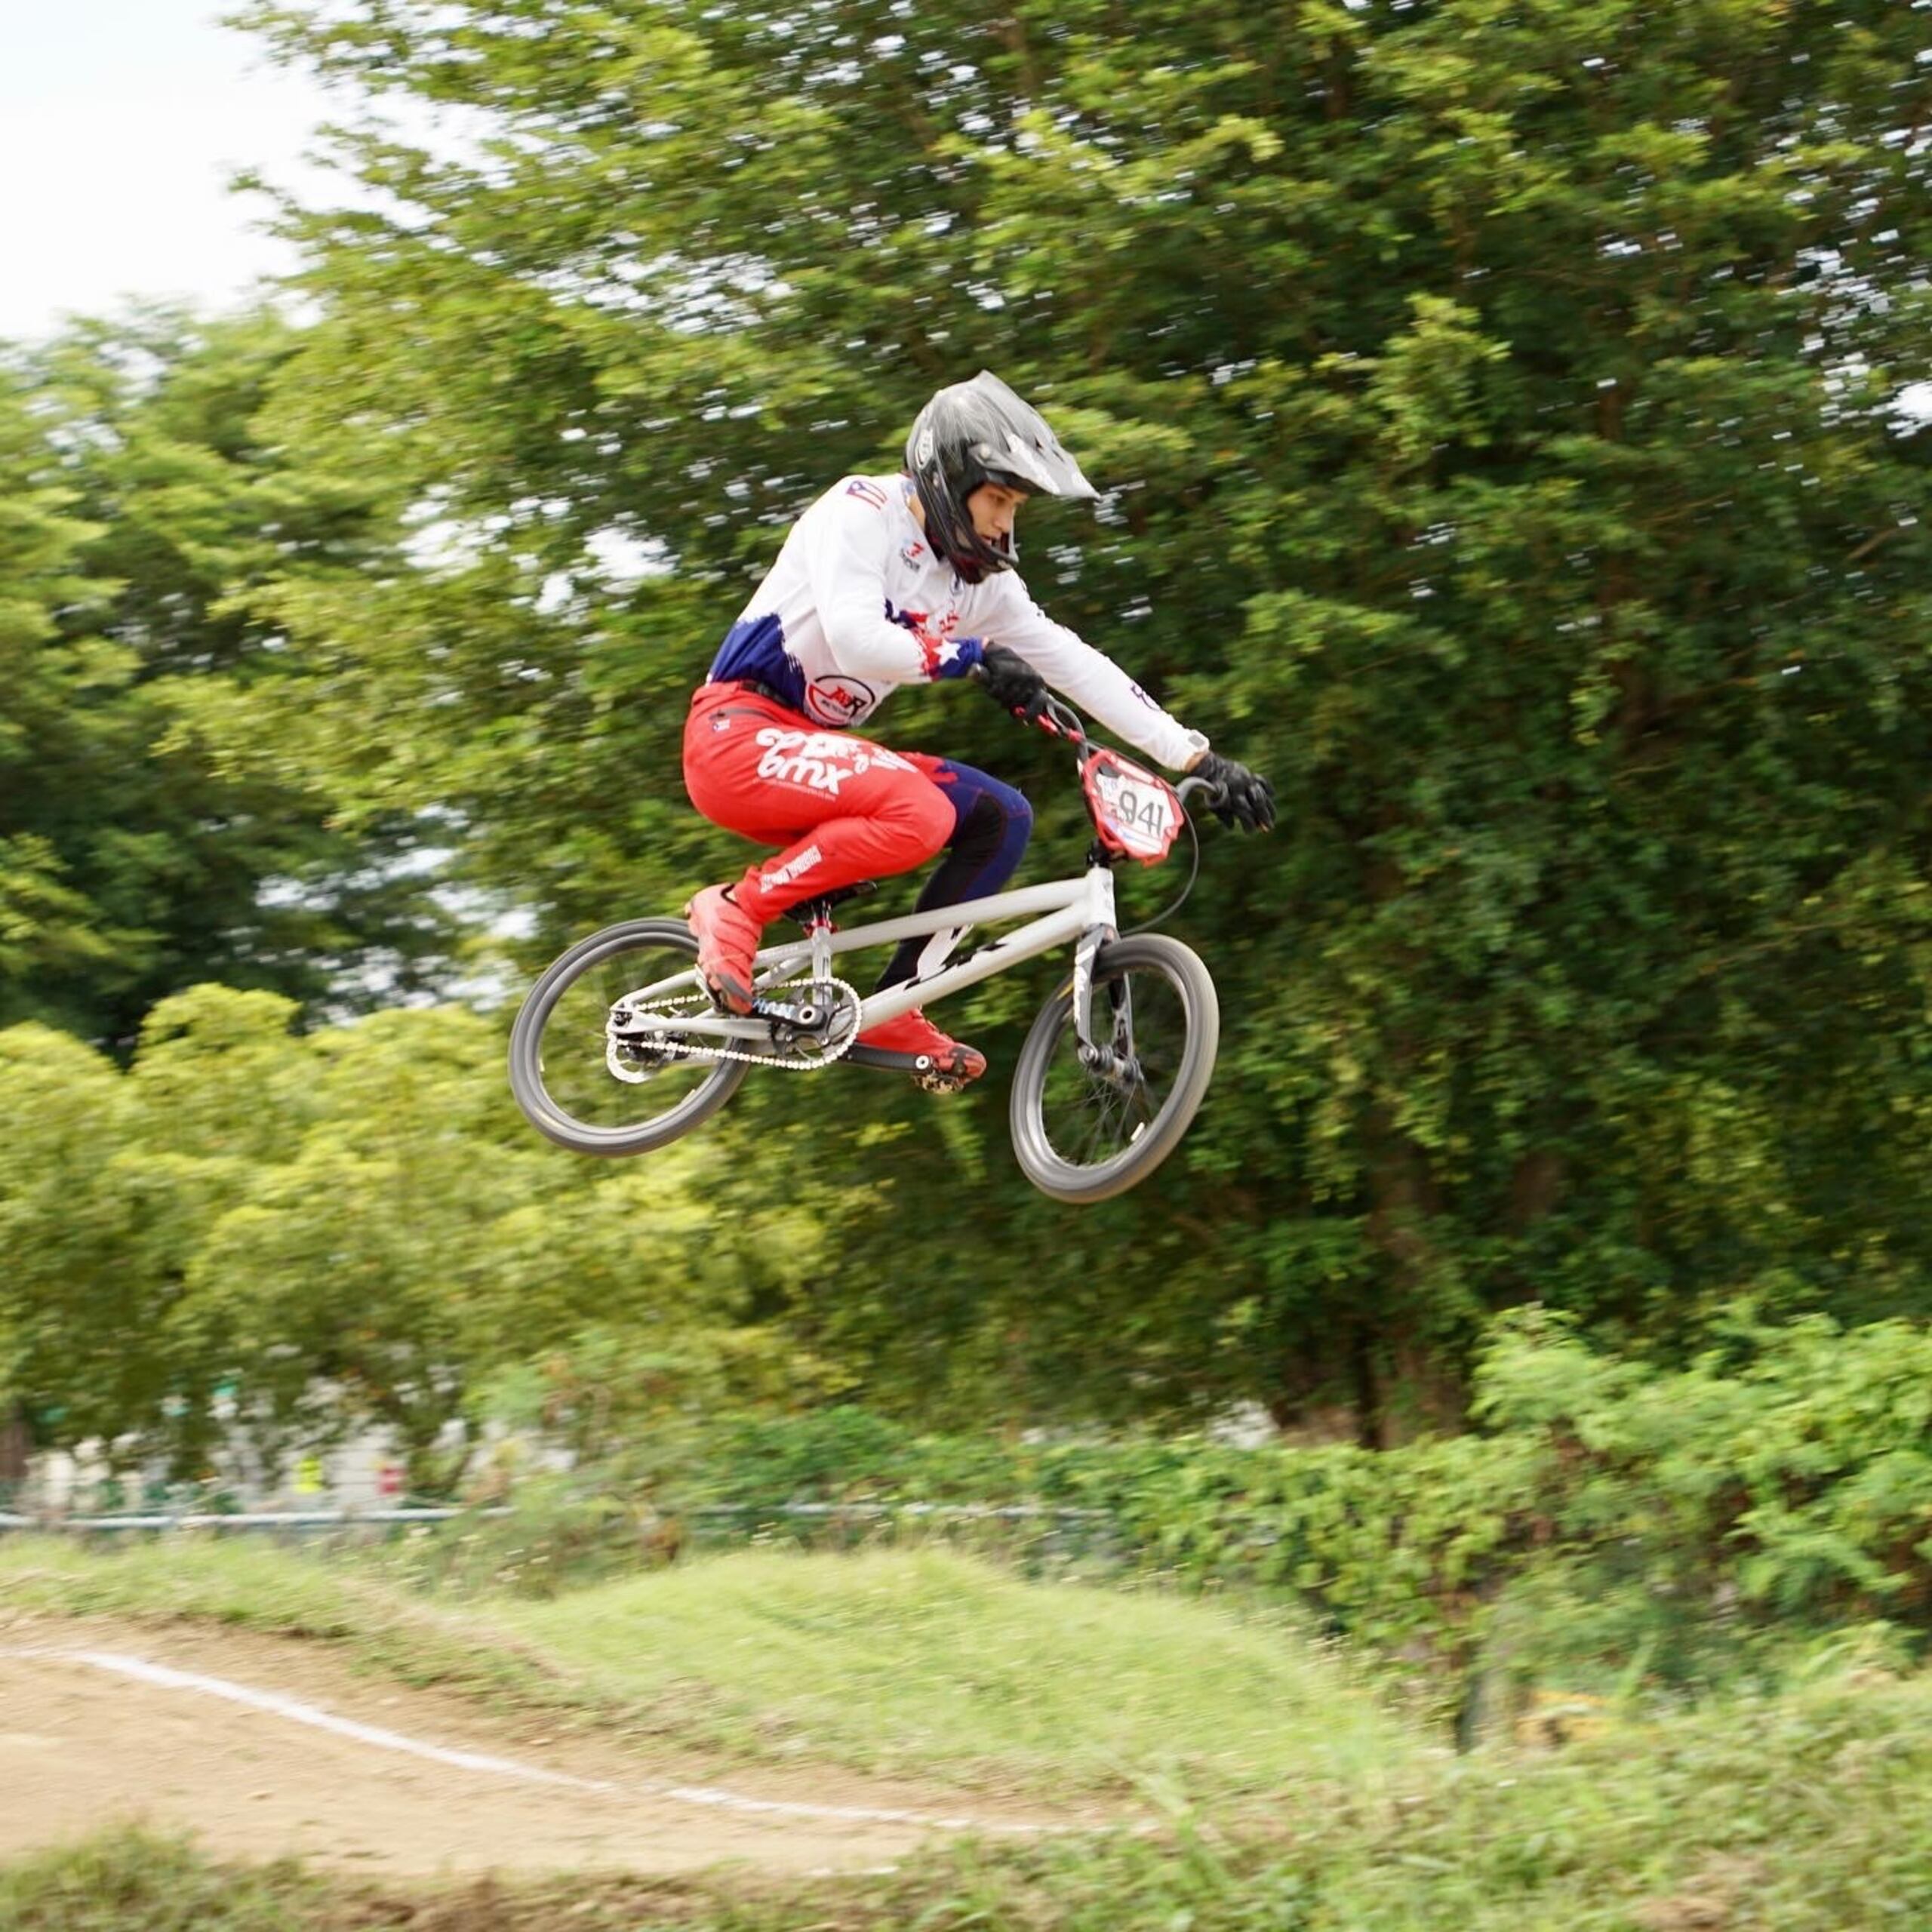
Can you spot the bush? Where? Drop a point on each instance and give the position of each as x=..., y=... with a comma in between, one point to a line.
x=1611, y=1524
x=1610, y=1518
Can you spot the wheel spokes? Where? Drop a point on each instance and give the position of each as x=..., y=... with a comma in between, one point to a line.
x=1090, y=1116
x=600, y=1079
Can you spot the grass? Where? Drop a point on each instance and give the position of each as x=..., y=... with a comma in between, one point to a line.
x=926, y=1661
x=1801, y=1813
x=256, y=1586
x=133, y=1880
x=1309, y=1810
x=921, y=1662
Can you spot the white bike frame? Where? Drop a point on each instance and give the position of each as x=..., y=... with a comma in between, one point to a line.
x=1079, y=910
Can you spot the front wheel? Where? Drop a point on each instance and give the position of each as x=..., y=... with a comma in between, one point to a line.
x=595, y=1093
x=1087, y=1126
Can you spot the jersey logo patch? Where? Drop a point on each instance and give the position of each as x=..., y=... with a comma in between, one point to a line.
x=866, y=493
x=839, y=699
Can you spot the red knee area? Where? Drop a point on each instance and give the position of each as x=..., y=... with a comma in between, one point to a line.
x=924, y=817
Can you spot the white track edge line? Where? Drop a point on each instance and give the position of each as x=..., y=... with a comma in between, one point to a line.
x=166, y=1677
x=274, y=1703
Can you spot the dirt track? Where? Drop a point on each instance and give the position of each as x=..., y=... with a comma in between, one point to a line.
x=85, y=1742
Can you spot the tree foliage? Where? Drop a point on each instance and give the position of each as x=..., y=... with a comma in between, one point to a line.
x=1497, y=405
x=251, y=1239
x=145, y=508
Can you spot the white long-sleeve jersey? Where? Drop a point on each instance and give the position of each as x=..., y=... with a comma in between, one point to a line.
x=857, y=603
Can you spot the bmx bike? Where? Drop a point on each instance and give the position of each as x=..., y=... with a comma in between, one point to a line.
x=618, y=1048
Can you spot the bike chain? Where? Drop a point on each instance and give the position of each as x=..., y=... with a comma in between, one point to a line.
x=829, y=1057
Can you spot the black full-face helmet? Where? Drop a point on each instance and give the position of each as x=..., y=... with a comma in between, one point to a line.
x=979, y=432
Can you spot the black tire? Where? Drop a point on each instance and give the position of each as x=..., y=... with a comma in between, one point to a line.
x=1080, y=1136
x=559, y=1071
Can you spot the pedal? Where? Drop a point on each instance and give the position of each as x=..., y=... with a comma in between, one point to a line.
x=884, y=1059
x=925, y=1075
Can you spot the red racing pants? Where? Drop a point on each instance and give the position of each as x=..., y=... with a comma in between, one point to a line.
x=841, y=808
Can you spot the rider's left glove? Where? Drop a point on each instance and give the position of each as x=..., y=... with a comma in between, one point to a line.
x=1246, y=798
x=1011, y=682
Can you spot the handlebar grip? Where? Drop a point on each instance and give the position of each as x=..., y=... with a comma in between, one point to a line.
x=1055, y=719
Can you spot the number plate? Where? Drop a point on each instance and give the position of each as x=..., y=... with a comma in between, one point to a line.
x=1134, y=811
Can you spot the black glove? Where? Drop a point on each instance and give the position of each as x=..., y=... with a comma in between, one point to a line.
x=1011, y=682
x=1246, y=798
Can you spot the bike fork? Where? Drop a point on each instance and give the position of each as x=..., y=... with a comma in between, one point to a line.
x=1084, y=955
x=1100, y=883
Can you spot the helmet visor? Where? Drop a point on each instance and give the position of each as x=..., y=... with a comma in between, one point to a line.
x=1014, y=441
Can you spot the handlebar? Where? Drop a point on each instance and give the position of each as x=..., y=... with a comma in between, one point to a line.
x=1059, y=720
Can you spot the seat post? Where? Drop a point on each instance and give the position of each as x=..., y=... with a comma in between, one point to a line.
x=814, y=915
x=819, y=929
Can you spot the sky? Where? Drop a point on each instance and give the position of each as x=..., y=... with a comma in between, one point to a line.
x=120, y=122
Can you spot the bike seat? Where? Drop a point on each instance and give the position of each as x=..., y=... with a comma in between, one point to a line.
x=808, y=912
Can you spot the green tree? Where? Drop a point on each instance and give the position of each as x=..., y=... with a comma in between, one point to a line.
x=80, y=1307
x=138, y=860
x=258, y=1237
x=46, y=926
x=110, y=1184
x=1496, y=401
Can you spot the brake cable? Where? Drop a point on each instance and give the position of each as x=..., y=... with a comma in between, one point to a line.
x=1062, y=721
x=1193, y=872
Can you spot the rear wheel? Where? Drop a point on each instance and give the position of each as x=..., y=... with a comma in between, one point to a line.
x=594, y=1095
x=1088, y=1126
